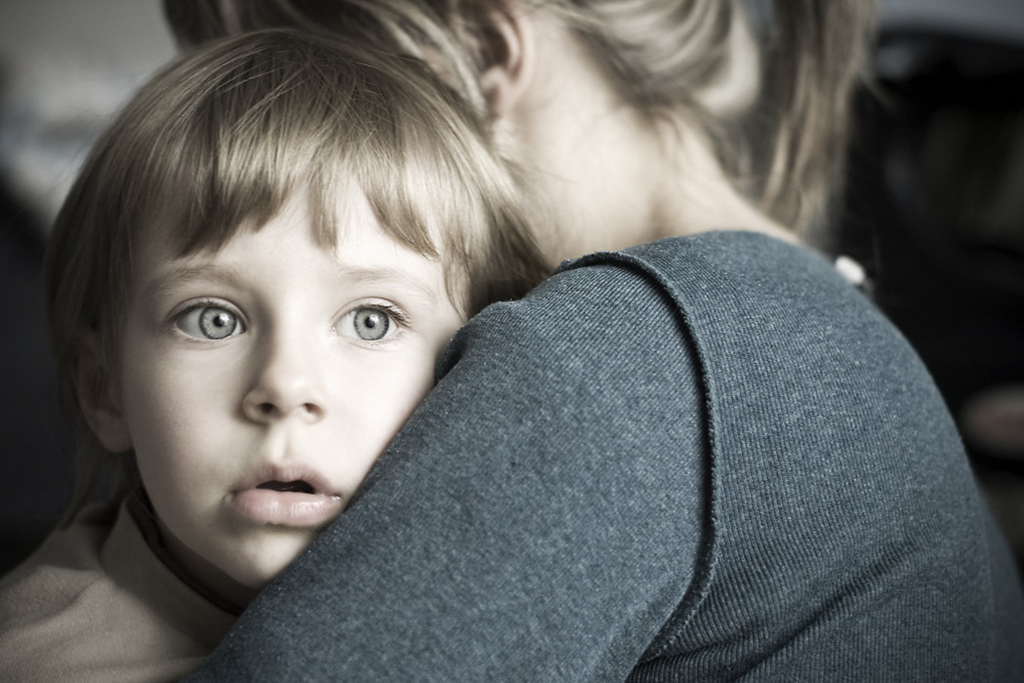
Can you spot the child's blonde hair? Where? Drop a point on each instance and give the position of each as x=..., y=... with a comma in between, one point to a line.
x=771, y=91
x=221, y=140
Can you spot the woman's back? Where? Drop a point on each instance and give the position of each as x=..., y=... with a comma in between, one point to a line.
x=844, y=514
x=705, y=458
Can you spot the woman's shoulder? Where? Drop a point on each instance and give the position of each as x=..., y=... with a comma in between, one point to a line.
x=768, y=317
x=823, y=426
x=739, y=262
x=713, y=283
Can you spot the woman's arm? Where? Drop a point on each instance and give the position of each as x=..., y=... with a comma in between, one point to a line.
x=540, y=516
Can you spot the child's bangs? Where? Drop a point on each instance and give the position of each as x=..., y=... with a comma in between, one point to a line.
x=304, y=117
x=245, y=184
x=240, y=153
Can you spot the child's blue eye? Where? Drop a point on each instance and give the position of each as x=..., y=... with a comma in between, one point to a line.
x=210, y=322
x=371, y=324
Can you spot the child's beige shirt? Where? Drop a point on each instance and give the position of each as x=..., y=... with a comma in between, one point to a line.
x=95, y=603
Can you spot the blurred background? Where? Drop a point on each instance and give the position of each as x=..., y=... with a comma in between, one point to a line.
x=934, y=211
x=65, y=67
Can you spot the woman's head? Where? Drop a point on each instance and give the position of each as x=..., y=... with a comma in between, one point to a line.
x=222, y=141
x=761, y=101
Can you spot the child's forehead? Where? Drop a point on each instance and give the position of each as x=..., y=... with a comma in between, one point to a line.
x=431, y=214
x=282, y=255
x=356, y=249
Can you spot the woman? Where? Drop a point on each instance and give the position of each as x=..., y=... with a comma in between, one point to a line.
x=706, y=457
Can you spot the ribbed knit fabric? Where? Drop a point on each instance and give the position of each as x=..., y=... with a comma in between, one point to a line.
x=708, y=458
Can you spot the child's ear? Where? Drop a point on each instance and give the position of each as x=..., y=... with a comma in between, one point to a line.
x=98, y=398
x=507, y=46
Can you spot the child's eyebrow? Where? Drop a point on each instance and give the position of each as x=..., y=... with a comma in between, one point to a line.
x=386, y=275
x=347, y=274
x=182, y=275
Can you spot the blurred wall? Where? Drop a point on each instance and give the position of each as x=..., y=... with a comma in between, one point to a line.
x=65, y=65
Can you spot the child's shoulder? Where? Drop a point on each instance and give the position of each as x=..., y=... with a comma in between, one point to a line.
x=65, y=564
x=44, y=600
x=94, y=603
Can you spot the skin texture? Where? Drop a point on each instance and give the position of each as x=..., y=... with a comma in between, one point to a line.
x=292, y=392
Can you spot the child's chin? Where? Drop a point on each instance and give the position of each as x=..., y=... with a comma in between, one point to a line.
x=258, y=566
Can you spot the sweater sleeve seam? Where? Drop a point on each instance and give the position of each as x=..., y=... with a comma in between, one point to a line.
x=704, y=572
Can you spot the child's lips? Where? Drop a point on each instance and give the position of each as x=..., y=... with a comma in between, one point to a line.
x=286, y=508
x=286, y=496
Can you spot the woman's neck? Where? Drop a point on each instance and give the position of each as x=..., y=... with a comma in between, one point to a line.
x=696, y=196
x=601, y=174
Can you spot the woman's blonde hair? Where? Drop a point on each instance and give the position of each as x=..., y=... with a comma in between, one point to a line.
x=221, y=140
x=771, y=89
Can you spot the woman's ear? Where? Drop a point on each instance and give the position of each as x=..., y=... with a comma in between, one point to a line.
x=509, y=53
x=98, y=398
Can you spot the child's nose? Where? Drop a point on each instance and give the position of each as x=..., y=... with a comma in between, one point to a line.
x=287, y=385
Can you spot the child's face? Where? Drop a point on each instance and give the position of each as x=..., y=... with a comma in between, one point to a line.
x=261, y=382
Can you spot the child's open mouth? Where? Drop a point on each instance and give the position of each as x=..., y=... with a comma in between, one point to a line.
x=297, y=486
x=287, y=502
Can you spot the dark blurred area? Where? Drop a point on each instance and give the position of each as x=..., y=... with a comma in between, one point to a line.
x=934, y=211
x=65, y=66
x=936, y=206
x=36, y=448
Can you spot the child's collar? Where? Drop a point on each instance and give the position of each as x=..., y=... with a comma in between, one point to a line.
x=142, y=512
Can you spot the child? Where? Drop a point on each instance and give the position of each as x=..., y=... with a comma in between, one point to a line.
x=248, y=287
